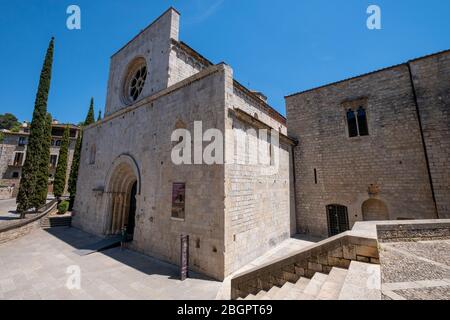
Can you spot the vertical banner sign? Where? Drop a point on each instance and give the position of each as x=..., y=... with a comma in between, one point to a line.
x=184, y=257
x=178, y=200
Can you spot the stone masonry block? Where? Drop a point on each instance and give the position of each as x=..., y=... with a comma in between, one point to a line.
x=339, y=263
x=315, y=267
x=362, y=259
x=371, y=252
x=336, y=253
x=349, y=252
x=299, y=271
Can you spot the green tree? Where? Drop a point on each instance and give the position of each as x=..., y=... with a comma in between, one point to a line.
x=40, y=197
x=99, y=116
x=74, y=171
x=8, y=121
x=38, y=150
x=76, y=156
x=90, y=116
x=61, y=169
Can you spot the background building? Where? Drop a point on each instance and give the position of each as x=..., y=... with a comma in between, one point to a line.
x=13, y=151
x=374, y=147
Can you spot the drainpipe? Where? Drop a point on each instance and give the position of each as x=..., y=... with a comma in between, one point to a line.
x=419, y=119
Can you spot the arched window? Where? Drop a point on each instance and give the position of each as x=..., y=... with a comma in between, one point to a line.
x=352, y=125
x=362, y=122
x=337, y=219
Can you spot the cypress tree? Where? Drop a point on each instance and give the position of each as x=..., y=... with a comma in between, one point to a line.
x=99, y=116
x=59, y=184
x=74, y=171
x=40, y=197
x=90, y=116
x=29, y=188
x=76, y=156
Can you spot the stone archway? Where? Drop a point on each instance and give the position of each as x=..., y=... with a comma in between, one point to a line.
x=123, y=187
x=375, y=210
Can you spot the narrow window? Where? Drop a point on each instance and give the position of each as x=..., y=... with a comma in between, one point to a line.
x=315, y=176
x=362, y=122
x=15, y=175
x=92, y=154
x=18, y=159
x=272, y=154
x=22, y=141
x=352, y=125
x=178, y=200
x=53, y=160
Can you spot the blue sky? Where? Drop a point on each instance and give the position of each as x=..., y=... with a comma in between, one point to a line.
x=277, y=47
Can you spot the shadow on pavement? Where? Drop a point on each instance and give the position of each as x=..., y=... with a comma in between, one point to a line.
x=81, y=240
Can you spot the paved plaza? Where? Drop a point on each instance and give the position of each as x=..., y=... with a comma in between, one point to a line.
x=35, y=267
x=416, y=270
x=7, y=210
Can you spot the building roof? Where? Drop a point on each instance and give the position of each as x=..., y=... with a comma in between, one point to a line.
x=369, y=73
x=23, y=133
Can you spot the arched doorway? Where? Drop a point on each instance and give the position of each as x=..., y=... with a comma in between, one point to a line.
x=122, y=189
x=375, y=210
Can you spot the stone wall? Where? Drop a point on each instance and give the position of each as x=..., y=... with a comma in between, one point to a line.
x=257, y=196
x=184, y=63
x=338, y=252
x=431, y=76
x=16, y=229
x=7, y=153
x=388, y=165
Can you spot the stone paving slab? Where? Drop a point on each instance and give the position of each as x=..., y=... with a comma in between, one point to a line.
x=35, y=267
x=416, y=270
x=7, y=211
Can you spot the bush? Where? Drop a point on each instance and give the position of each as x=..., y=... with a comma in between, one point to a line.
x=63, y=207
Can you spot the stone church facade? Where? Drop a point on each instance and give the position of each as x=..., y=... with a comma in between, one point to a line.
x=234, y=211
x=374, y=147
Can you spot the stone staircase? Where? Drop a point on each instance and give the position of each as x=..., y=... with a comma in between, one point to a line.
x=56, y=221
x=361, y=281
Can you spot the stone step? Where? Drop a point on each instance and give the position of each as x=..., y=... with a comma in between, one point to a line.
x=271, y=293
x=314, y=286
x=332, y=287
x=302, y=283
x=53, y=222
x=284, y=291
x=296, y=293
x=363, y=282
x=261, y=295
